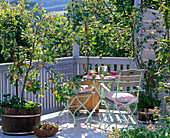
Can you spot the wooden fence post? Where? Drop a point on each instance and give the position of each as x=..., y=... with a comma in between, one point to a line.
x=75, y=56
x=75, y=50
x=132, y=64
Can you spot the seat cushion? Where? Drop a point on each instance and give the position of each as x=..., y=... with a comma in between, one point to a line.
x=83, y=89
x=121, y=97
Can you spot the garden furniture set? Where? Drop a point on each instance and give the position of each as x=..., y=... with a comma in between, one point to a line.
x=127, y=84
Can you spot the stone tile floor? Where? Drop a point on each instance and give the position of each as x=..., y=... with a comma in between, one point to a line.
x=67, y=128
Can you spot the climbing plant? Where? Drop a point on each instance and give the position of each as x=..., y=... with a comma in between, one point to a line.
x=163, y=58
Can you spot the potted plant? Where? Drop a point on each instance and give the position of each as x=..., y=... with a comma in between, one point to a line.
x=26, y=36
x=149, y=99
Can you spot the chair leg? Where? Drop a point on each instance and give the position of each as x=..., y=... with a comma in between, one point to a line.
x=93, y=111
x=104, y=116
x=110, y=113
x=80, y=106
x=132, y=114
x=67, y=108
x=125, y=120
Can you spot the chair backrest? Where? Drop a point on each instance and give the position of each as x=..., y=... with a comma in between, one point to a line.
x=129, y=78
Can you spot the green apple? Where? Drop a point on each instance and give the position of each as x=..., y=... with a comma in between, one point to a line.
x=102, y=76
x=93, y=75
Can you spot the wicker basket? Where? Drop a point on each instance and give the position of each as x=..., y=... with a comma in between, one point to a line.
x=45, y=133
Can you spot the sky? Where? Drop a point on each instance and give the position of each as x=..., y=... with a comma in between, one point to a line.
x=52, y=5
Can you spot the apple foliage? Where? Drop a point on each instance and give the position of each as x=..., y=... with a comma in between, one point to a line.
x=26, y=37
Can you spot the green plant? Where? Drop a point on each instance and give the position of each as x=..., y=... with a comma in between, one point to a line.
x=149, y=98
x=15, y=102
x=150, y=131
x=29, y=35
x=157, y=70
x=99, y=30
x=163, y=56
x=161, y=128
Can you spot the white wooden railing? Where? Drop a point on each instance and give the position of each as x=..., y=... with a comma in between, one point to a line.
x=70, y=66
x=112, y=63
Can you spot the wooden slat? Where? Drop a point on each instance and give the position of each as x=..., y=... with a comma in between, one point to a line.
x=81, y=69
x=130, y=72
x=127, y=84
x=129, y=78
x=106, y=66
x=118, y=67
x=111, y=67
x=124, y=66
x=93, y=67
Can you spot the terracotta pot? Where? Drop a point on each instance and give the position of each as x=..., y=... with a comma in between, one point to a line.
x=20, y=122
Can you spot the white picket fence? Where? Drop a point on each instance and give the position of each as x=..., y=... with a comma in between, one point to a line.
x=70, y=66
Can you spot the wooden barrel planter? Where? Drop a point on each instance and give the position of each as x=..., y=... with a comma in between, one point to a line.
x=20, y=122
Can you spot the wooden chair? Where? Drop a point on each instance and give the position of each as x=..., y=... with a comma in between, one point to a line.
x=127, y=92
x=85, y=99
x=91, y=103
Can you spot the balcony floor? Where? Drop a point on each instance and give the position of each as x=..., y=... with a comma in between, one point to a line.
x=67, y=128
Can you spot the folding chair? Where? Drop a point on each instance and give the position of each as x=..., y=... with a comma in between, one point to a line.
x=127, y=91
x=84, y=91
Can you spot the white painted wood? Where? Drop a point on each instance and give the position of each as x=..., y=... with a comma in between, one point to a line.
x=118, y=67
x=65, y=65
x=147, y=20
x=81, y=69
x=124, y=67
x=75, y=50
x=93, y=67
x=105, y=60
x=111, y=67
x=137, y=2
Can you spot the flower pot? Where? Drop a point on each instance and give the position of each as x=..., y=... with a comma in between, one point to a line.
x=144, y=116
x=20, y=122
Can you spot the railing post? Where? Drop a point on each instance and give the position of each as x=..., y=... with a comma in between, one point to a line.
x=75, y=50
x=137, y=2
x=132, y=64
x=75, y=56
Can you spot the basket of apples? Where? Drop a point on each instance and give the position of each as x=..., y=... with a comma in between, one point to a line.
x=46, y=129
